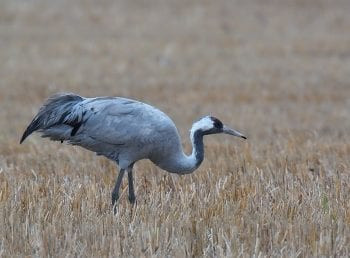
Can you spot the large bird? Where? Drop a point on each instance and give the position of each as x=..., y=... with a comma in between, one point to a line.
x=125, y=131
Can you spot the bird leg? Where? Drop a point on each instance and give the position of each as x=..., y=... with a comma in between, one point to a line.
x=132, y=197
x=115, y=193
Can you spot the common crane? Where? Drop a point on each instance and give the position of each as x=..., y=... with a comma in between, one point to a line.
x=125, y=131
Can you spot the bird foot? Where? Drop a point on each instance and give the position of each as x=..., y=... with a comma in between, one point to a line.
x=132, y=199
x=115, y=198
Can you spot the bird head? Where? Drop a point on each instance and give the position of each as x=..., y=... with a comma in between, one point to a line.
x=211, y=125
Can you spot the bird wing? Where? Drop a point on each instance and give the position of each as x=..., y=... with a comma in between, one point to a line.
x=60, y=110
x=118, y=121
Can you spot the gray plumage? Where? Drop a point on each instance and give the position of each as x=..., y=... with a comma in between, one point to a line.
x=123, y=130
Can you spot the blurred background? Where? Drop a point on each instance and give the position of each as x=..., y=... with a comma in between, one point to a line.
x=261, y=66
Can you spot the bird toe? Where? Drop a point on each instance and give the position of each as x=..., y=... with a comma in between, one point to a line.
x=115, y=198
x=132, y=199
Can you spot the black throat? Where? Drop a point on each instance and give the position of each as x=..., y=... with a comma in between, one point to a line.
x=198, y=146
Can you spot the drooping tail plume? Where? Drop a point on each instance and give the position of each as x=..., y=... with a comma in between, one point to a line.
x=58, y=109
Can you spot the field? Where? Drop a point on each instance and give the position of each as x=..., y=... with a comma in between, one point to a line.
x=278, y=71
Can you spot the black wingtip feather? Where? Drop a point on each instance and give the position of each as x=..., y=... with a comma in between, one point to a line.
x=22, y=139
x=30, y=129
x=24, y=136
x=60, y=105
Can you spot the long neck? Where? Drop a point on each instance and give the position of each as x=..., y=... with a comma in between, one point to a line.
x=197, y=154
x=185, y=164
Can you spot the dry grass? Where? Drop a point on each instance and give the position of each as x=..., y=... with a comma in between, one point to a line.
x=276, y=70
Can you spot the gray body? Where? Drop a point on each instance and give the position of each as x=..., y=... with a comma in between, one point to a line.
x=122, y=130
x=109, y=128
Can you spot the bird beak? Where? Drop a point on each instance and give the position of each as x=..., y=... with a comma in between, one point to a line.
x=230, y=131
